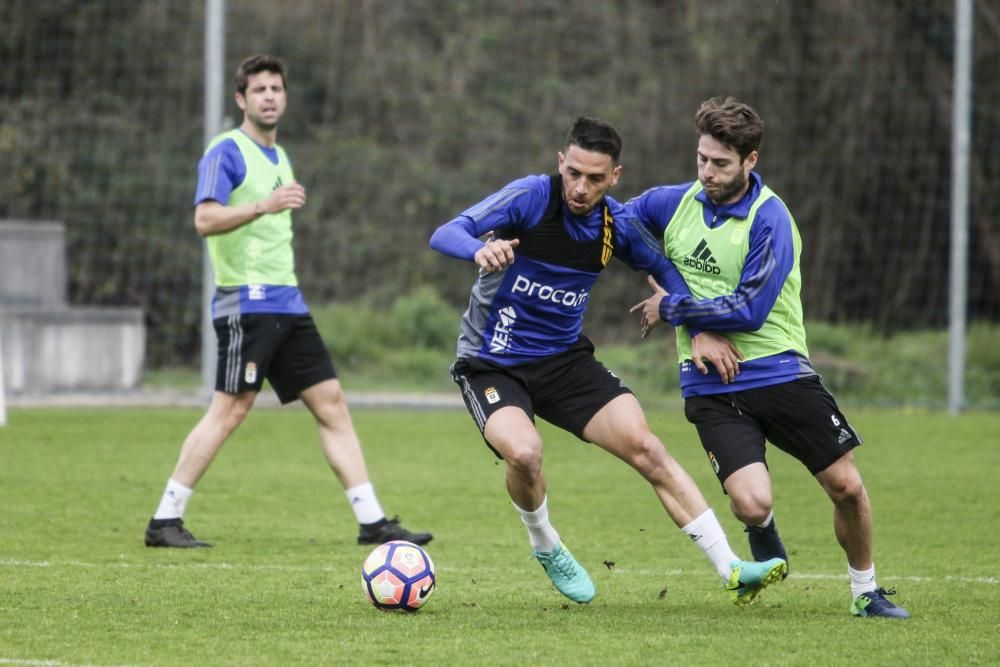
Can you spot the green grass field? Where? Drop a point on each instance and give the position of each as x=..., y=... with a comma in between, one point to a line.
x=282, y=586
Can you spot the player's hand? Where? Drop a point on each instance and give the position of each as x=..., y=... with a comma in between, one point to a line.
x=495, y=254
x=650, y=308
x=288, y=196
x=719, y=351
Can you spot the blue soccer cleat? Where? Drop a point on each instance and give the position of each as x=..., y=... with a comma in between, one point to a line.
x=873, y=603
x=749, y=578
x=567, y=575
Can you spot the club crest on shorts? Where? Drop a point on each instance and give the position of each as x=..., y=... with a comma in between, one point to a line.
x=715, y=464
x=492, y=395
x=251, y=373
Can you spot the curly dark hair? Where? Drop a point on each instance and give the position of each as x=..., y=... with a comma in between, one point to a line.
x=732, y=123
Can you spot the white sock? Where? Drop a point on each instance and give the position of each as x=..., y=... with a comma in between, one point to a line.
x=541, y=533
x=706, y=532
x=862, y=581
x=364, y=503
x=174, y=501
x=767, y=522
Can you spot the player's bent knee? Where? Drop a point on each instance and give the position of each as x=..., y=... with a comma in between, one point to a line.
x=523, y=456
x=847, y=491
x=231, y=409
x=333, y=393
x=647, y=455
x=750, y=510
x=234, y=419
x=845, y=487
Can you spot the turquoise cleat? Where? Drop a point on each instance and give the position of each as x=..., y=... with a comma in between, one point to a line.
x=749, y=578
x=567, y=575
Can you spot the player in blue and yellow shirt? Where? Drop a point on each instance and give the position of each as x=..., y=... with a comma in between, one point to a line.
x=243, y=207
x=521, y=350
x=737, y=248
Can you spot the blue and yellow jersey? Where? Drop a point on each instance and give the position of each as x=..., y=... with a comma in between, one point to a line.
x=254, y=264
x=534, y=308
x=741, y=261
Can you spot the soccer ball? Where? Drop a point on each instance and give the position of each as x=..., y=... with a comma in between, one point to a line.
x=398, y=575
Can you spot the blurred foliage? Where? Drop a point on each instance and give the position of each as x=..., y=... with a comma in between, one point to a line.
x=376, y=351
x=402, y=114
x=405, y=346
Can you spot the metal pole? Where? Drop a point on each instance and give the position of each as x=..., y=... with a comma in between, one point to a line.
x=960, y=144
x=215, y=57
x=3, y=397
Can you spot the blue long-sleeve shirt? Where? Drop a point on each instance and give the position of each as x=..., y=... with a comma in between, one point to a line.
x=548, y=299
x=769, y=261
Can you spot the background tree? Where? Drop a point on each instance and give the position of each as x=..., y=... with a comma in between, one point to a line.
x=401, y=114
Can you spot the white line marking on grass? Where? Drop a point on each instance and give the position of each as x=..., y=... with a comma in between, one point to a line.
x=256, y=567
x=838, y=577
x=41, y=663
x=169, y=566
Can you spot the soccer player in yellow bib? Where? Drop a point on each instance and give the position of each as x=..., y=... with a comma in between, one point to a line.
x=243, y=207
x=522, y=353
x=737, y=248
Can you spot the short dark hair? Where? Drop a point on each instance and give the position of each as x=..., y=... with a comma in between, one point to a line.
x=592, y=134
x=255, y=65
x=732, y=123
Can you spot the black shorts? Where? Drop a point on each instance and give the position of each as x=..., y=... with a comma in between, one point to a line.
x=799, y=417
x=287, y=350
x=566, y=389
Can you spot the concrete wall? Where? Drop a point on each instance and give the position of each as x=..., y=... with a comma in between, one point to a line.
x=48, y=346
x=32, y=263
x=71, y=349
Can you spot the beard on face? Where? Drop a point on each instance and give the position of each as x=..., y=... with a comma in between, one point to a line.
x=567, y=197
x=727, y=191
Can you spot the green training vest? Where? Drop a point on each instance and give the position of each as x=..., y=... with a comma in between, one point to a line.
x=259, y=252
x=710, y=260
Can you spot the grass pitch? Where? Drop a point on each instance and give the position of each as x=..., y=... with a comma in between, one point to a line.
x=282, y=584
